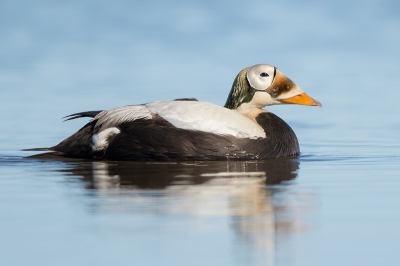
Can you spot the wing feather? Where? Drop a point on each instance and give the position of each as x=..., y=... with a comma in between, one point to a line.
x=207, y=117
x=190, y=115
x=117, y=116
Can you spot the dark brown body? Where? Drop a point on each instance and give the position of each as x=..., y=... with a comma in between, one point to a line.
x=158, y=140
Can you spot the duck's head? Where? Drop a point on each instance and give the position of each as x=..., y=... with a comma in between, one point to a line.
x=262, y=85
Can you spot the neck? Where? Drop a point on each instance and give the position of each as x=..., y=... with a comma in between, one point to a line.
x=240, y=92
x=250, y=110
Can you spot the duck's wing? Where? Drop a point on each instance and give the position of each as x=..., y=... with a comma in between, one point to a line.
x=188, y=115
x=207, y=117
x=132, y=124
x=121, y=115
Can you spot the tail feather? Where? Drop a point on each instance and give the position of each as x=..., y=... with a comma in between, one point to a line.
x=50, y=150
x=77, y=145
x=38, y=149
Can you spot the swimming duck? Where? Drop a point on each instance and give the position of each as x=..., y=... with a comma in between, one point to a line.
x=187, y=129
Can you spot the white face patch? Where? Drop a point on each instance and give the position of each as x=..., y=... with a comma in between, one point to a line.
x=100, y=140
x=260, y=77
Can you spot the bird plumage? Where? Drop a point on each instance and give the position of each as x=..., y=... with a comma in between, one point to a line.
x=187, y=129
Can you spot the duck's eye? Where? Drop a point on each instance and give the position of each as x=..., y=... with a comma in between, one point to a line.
x=264, y=74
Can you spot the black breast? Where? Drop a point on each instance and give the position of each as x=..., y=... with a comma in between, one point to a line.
x=280, y=140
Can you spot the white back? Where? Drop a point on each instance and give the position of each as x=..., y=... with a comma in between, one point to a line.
x=191, y=115
x=207, y=117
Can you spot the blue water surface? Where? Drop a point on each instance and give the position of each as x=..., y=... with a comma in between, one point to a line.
x=337, y=204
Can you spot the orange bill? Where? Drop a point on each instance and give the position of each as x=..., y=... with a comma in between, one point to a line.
x=302, y=99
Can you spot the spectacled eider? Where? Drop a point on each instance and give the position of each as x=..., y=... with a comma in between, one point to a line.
x=187, y=129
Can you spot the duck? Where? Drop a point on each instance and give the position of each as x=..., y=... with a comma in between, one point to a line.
x=188, y=129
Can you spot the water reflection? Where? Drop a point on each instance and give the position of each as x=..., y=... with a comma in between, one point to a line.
x=155, y=175
x=253, y=196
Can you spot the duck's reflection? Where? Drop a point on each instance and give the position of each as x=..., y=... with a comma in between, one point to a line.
x=254, y=195
x=154, y=175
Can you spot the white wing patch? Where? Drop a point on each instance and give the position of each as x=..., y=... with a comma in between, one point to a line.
x=119, y=115
x=100, y=140
x=206, y=117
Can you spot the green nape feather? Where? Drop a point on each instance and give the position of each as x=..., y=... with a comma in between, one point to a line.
x=241, y=91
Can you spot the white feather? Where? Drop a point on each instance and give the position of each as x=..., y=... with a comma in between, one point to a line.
x=207, y=117
x=119, y=115
x=100, y=140
x=191, y=115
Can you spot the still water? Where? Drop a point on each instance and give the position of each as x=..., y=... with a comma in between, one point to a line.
x=338, y=203
x=310, y=210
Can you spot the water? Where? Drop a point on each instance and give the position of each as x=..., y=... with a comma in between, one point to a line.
x=336, y=204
